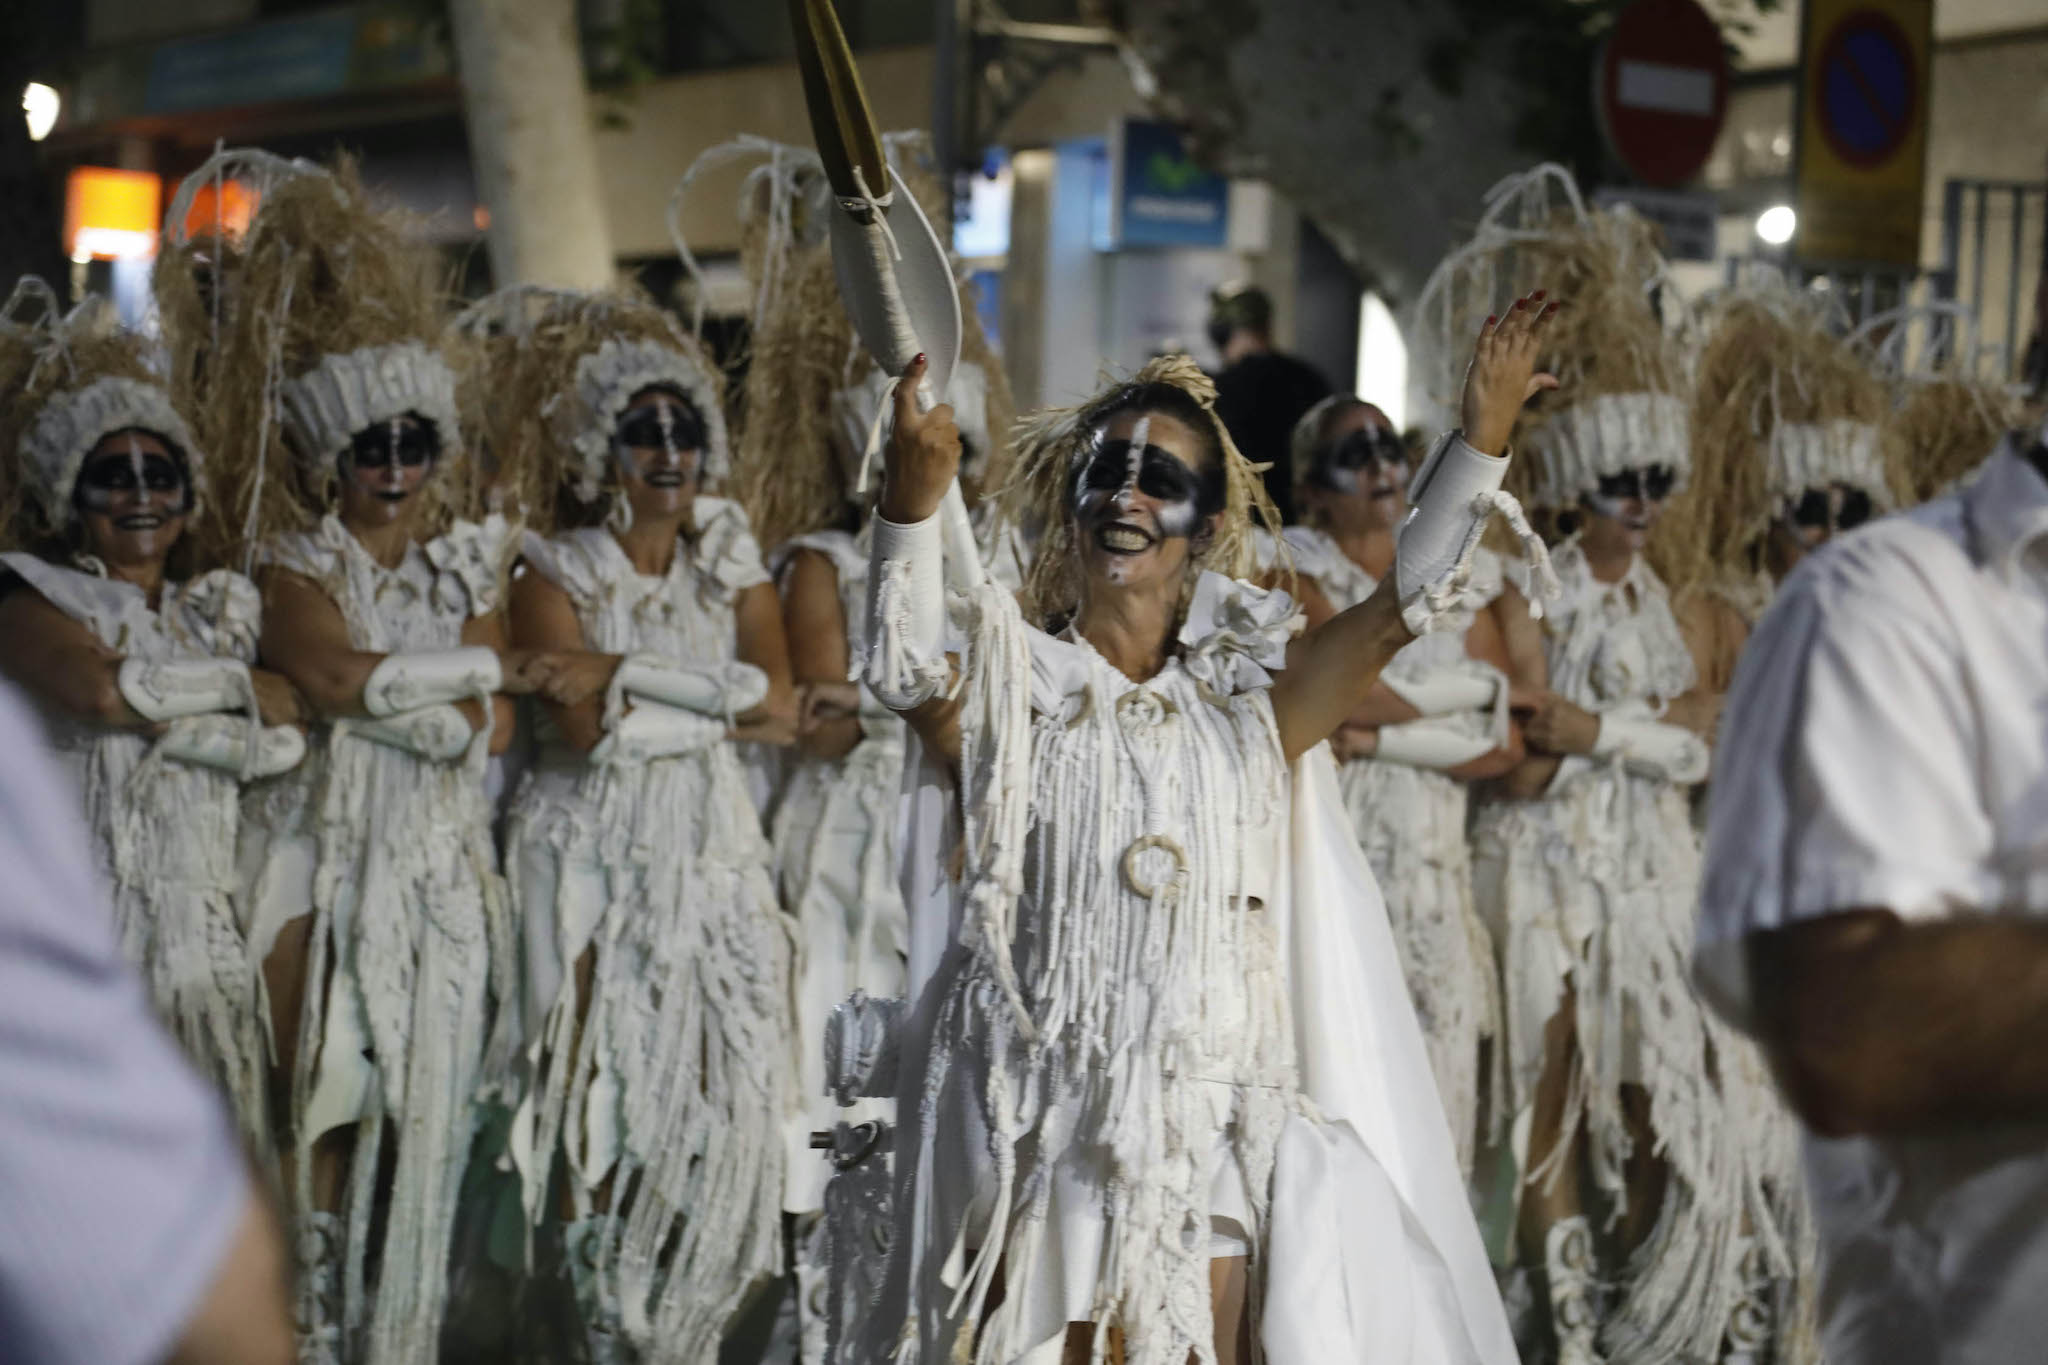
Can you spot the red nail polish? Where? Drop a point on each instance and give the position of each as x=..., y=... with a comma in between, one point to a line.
x=1539, y=294
x=919, y=360
x=1492, y=318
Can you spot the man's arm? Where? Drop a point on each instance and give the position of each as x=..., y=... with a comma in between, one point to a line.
x=242, y=1320
x=1877, y=1026
x=133, y=1232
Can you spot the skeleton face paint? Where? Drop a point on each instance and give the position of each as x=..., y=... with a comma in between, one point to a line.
x=1633, y=495
x=658, y=442
x=1371, y=459
x=384, y=466
x=1822, y=512
x=133, y=495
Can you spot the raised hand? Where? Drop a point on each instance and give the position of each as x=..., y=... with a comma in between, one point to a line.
x=923, y=456
x=1503, y=373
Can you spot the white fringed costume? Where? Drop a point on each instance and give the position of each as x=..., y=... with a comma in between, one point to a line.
x=164, y=829
x=1591, y=889
x=836, y=852
x=410, y=959
x=676, y=1086
x=1158, y=1019
x=1410, y=820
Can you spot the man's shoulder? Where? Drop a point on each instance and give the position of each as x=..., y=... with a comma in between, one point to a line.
x=1911, y=560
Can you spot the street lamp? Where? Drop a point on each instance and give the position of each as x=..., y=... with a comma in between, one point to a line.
x=1776, y=224
x=40, y=103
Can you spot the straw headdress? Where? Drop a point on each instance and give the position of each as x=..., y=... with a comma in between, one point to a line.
x=323, y=320
x=1620, y=403
x=71, y=380
x=557, y=368
x=1947, y=412
x=1781, y=404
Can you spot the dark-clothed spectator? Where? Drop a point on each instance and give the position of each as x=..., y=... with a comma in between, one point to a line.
x=1260, y=393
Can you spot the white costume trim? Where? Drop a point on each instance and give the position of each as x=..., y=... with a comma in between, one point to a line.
x=165, y=829
x=672, y=1082
x=1805, y=455
x=1607, y=435
x=1053, y=1115
x=1592, y=887
x=324, y=408
x=72, y=422
x=391, y=853
x=836, y=849
x=1409, y=818
x=607, y=380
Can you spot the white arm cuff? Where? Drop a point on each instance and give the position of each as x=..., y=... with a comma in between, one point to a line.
x=651, y=730
x=222, y=742
x=905, y=662
x=168, y=689
x=1441, y=694
x=1420, y=744
x=439, y=732
x=720, y=690
x=407, y=682
x=1454, y=493
x=1655, y=748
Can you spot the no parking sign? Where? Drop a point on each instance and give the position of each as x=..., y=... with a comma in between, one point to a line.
x=1863, y=130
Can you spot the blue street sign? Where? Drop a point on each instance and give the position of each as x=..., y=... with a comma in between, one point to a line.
x=1869, y=88
x=1160, y=196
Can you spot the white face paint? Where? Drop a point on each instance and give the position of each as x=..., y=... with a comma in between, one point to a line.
x=657, y=443
x=133, y=495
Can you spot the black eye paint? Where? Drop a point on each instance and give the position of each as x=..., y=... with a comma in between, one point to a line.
x=133, y=470
x=1186, y=497
x=406, y=442
x=661, y=426
x=1839, y=508
x=1651, y=483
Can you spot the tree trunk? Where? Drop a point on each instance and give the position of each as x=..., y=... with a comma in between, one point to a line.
x=531, y=142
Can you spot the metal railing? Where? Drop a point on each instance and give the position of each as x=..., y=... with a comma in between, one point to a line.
x=1994, y=247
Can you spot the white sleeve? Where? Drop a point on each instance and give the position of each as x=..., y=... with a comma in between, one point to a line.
x=1652, y=747
x=1844, y=779
x=905, y=659
x=121, y=1178
x=1431, y=744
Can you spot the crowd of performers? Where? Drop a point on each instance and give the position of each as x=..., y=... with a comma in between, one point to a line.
x=462, y=707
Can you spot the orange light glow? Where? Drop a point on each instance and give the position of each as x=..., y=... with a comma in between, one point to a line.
x=110, y=214
x=224, y=207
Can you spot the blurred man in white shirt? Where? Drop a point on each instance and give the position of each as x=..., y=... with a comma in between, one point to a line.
x=1875, y=912
x=131, y=1232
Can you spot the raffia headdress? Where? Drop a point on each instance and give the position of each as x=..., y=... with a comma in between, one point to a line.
x=322, y=320
x=562, y=366
x=1621, y=401
x=69, y=381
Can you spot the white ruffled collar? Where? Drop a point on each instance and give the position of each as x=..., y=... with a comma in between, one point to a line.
x=1235, y=633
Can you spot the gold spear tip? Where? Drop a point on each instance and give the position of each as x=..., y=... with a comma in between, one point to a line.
x=841, y=122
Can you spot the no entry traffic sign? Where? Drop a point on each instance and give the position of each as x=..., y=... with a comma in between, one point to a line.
x=1869, y=88
x=1662, y=89
x=1862, y=145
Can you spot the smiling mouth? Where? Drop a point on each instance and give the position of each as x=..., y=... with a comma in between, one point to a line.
x=1122, y=538
x=140, y=521
x=392, y=494
x=665, y=478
